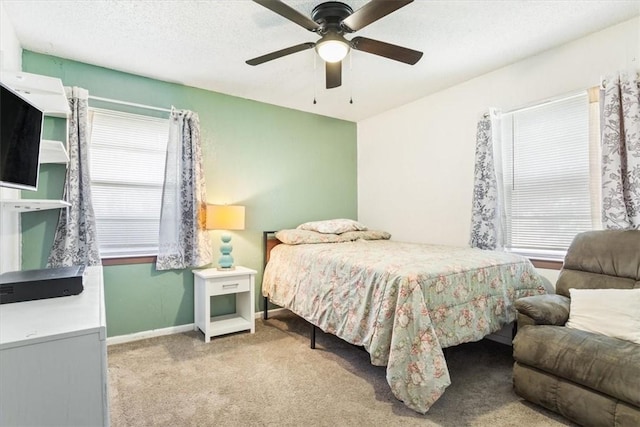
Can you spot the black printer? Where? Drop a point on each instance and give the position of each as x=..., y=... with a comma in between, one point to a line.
x=16, y=286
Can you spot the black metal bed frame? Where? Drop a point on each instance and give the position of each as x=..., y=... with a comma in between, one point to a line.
x=265, y=313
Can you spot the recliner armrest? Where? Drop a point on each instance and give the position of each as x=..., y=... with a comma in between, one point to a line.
x=550, y=309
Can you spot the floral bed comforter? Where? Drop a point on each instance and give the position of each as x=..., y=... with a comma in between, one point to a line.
x=403, y=302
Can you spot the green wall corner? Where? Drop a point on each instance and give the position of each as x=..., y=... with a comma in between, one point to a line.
x=285, y=166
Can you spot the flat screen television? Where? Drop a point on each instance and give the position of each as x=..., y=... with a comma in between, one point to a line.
x=20, y=133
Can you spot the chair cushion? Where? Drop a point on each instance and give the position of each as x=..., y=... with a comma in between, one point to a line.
x=611, y=312
x=608, y=365
x=601, y=259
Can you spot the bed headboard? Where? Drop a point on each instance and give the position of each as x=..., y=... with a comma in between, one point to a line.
x=270, y=241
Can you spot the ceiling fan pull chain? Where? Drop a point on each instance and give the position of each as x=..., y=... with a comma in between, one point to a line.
x=315, y=78
x=351, y=77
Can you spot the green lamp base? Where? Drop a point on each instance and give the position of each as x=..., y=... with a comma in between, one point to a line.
x=226, y=260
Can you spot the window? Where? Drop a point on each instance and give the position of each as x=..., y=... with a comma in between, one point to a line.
x=548, y=177
x=127, y=160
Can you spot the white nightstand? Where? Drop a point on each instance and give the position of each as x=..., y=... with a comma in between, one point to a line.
x=211, y=282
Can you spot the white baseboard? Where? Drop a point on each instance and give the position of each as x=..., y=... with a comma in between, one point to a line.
x=502, y=336
x=271, y=311
x=121, y=339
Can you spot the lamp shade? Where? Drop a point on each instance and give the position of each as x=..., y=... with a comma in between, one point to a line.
x=225, y=217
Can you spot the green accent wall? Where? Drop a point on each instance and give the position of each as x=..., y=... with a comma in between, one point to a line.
x=284, y=165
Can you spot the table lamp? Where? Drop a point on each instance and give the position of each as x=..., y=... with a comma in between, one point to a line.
x=225, y=218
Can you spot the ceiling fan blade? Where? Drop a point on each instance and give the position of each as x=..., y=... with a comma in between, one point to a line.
x=280, y=53
x=290, y=13
x=391, y=51
x=333, y=71
x=371, y=12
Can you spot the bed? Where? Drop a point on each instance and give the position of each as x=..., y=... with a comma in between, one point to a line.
x=403, y=302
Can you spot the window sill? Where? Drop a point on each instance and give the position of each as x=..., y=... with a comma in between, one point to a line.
x=546, y=264
x=129, y=260
x=538, y=263
x=547, y=259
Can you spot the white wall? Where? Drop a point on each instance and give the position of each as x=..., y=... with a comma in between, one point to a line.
x=11, y=60
x=415, y=163
x=11, y=51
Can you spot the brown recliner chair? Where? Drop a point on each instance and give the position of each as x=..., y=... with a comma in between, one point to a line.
x=589, y=378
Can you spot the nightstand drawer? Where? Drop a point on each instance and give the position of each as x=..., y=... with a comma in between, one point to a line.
x=231, y=285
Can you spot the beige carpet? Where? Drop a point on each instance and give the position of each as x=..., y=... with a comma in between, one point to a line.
x=273, y=378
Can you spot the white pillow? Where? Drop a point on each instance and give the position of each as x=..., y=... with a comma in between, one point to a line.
x=333, y=226
x=300, y=237
x=611, y=312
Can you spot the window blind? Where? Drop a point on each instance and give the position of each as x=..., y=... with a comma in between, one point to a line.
x=545, y=156
x=127, y=160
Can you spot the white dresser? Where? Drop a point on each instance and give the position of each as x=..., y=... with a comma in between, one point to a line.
x=53, y=359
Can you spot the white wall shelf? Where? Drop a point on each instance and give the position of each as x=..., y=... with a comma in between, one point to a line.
x=46, y=93
x=53, y=152
x=31, y=205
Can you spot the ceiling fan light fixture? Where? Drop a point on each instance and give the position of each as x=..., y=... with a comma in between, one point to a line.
x=331, y=20
x=332, y=48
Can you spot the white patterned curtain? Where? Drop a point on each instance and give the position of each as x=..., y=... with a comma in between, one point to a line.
x=75, y=241
x=486, y=214
x=620, y=126
x=184, y=241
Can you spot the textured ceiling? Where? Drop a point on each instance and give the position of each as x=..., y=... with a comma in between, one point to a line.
x=205, y=43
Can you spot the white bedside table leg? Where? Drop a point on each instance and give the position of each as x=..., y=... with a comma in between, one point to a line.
x=207, y=316
x=196, y=304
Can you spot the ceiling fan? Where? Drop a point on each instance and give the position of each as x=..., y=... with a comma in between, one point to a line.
x=332, y=20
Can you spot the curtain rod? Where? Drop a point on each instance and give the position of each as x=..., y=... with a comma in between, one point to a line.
x=130, y=104
x=545, y=102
